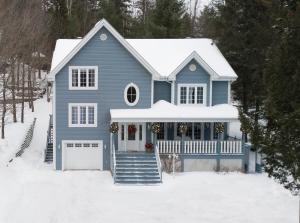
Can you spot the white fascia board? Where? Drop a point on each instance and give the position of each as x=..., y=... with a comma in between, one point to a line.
x=142, y=120
x=194, y=55
x=91, y=33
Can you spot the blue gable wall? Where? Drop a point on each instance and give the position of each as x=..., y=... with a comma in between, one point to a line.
x=162, y=91
x=200, y=76
x=117, y=68
x=219, y=92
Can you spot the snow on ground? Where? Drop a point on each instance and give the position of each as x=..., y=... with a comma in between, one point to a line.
x=30, y=191
x=15, y=132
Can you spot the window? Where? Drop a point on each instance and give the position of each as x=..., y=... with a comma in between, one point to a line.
x=82, y=115
x=131, y=94
x=83, y=78
x=140, y=132
x=122, y=132
x=192, y=94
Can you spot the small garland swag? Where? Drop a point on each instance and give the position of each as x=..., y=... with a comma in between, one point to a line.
x=183, y=128
x=131, y=129
x=155, y=128
x=114, y=128
x=219, y=127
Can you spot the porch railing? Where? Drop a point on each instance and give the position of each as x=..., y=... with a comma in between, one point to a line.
x=200, y=147
x=231, y=147
x=208, y=147
x=168, y=146
x=113, y=161
x=158, y=162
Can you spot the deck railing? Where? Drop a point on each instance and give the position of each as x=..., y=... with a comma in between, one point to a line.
x=168, y=146
x=207, y=147
x=200, y=147
x=231, y=147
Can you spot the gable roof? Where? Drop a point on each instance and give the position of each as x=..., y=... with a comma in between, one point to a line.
x=169, y=56
x=61, y=59
x=163, y=58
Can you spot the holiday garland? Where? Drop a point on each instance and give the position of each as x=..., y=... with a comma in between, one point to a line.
x=183, y=128
x=155, y=127
x=114, y=128
x=219, y=127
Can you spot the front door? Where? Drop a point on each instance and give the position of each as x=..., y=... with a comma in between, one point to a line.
x=132, y=137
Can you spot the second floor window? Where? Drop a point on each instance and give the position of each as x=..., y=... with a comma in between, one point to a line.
x=82, y=115
x=192, y=94
x=83, y=78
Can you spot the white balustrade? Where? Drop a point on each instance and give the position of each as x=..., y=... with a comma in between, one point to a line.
x=229, y=147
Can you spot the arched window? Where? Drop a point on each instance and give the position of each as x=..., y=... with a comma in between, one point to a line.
x=131, y=94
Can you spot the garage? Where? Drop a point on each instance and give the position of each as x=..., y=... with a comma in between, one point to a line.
x=82, y=155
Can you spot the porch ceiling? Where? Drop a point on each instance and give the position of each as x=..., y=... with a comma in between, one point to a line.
x=163, y=111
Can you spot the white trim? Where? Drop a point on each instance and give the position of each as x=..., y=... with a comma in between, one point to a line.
x=64, y=142
x=54, y=124
x=173, y=92
x=204, y=86
x=152, y=92
x=138, y=120
x=70, y=105
x=78, y=68
x=91, y=33
x=229, y=92
x=210, y=92
x=137, y=94
x=194, y=55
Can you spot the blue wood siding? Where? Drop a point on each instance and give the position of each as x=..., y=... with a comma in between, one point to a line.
x=162, y=91
x=219, y=92
x=117, y=68
x=200, y=76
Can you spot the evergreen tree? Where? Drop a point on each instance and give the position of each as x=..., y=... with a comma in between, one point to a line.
x=168, y=19
x=281, y=136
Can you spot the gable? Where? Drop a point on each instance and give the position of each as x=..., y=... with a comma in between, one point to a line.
x=102, y=23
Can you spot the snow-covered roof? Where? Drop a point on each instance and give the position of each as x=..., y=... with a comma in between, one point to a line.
x=62, y=48
x=164, y=58
x=165, y=55
x=163, y=111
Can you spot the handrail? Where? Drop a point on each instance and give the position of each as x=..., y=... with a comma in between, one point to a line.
x=114, y=161
x=158, y=162
x=48, y=138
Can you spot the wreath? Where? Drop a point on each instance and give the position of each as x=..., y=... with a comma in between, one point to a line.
x=183, y=128
x=155, y=127
x=131, y=129
x=219, y=127
x=114, y=128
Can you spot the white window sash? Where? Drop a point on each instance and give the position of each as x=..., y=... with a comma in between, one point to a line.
x=187, y=96
x=79, y=114
x=86, y=68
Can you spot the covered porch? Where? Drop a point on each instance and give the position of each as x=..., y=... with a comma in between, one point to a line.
x=201, y=125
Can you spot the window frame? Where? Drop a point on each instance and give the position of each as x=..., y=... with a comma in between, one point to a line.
x=195, y=86
x=79, y=105
x=87, y=68
x=137, y=94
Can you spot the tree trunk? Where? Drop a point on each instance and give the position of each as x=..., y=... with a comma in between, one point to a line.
x=18, y=76
x=13, y=92
x=3, y=107
x=29, y=85
x=31, y=89
x=23, y=92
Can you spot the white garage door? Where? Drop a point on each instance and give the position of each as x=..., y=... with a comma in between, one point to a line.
x=82, y=155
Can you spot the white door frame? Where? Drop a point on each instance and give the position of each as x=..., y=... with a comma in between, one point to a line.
x=124, y=144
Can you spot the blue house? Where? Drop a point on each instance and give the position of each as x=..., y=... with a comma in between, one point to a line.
x=126, y=105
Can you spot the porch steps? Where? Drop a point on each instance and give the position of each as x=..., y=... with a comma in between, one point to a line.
x=136, y=168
